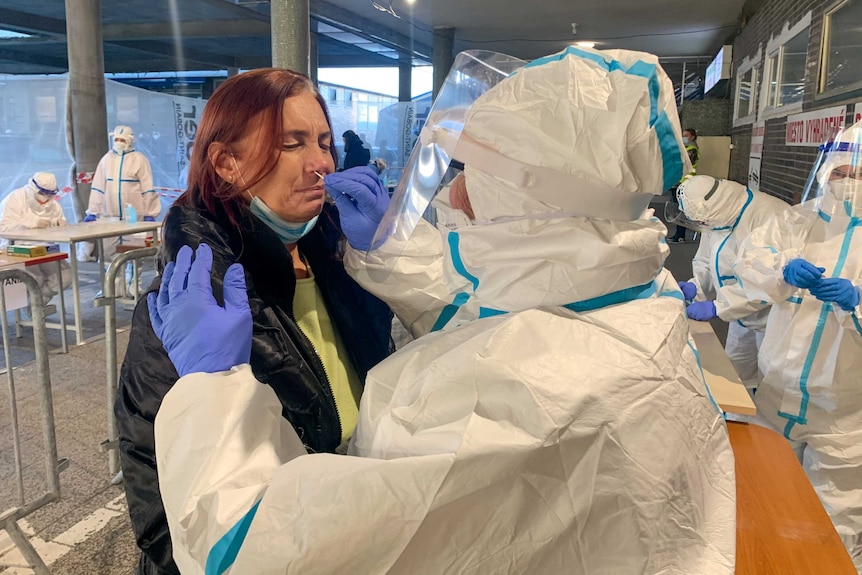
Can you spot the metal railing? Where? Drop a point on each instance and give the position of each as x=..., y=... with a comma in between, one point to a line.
x=108, y=301
x=53, y=466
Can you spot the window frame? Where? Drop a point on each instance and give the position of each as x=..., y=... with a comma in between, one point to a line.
x=774, y=56
x=821, y=93
x=747, y=65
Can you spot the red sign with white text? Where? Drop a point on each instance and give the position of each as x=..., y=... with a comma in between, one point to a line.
x=814, y=128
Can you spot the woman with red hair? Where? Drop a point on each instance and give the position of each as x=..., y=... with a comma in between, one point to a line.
x=256, y=197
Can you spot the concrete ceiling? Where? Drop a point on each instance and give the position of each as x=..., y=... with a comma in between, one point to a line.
x=218, y=34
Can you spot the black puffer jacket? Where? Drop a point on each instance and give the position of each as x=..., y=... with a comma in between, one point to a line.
x=281, y=355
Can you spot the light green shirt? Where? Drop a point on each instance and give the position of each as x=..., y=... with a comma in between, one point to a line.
x=315, y=323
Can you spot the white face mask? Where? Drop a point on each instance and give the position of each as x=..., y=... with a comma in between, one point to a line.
x=848, y=191
x=120, y=147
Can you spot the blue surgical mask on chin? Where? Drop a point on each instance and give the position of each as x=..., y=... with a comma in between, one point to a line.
x=288, y=232
x=685, y=141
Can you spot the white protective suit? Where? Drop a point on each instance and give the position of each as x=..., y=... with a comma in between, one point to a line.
x=556, y=421
x=811, y=356
x=728, y=212
x=28, y=208
x=123, y=177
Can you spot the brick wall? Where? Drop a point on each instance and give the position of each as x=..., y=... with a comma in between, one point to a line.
x=784, y=169
x=709, y=117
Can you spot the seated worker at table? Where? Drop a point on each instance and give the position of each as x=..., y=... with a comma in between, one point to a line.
x=556, y=420
x=725, y=212
x=255, y=196
x=123, y=180
x=808, y=264
x=35, y=206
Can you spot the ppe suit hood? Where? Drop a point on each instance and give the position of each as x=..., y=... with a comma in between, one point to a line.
x=42, y=182
x=127, y=136
x=604, y=122
x=712, y=202
x=595, y=126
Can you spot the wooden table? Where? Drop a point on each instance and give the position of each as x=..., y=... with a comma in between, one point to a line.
x=7, y=261
x=781, y=526
x=727, y=391
x=72, y=235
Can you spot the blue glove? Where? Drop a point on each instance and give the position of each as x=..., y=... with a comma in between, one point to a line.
x=837, y=290
x=689, y=290
x=802, y=274
x=701, y=310
x=90, y=218
x=361, y=200
x=198, y=334
x=149, y=219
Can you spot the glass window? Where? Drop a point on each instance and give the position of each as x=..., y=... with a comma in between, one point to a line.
x=772, y=87
x=842, y=52
x=746, y=95
x=793, y=56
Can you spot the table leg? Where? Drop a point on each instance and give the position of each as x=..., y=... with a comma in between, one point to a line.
x=16, y=440
x=76, y=293
x=63, y=337
x=100, y=256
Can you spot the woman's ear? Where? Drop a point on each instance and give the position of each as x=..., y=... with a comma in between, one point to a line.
x=222, y=160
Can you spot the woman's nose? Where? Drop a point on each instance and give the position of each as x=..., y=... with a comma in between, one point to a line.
x=320, y=161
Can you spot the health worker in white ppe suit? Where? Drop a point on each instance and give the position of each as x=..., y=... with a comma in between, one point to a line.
x=123, y=179
x=551, y=417
x=808, y=264
x=725, y=213
x=35, y=206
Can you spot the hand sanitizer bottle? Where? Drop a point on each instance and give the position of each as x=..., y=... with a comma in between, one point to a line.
x=131, y=214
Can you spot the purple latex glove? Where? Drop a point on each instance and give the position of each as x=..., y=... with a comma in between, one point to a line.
x=802, y=273
x=837, y=290
x=689, y=290
x=90, y=218
x=361, y=200
x=198, y=334
x=149, y=219
x=701, y=310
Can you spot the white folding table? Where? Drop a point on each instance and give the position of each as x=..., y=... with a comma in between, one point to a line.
x=74, y=234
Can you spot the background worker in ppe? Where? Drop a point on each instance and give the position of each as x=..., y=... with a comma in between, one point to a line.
x=35, y=206
x=808, y=265
x=726, y=212
x=555, y=420
x=123, y=179
x=255, y=196
x=689, y=138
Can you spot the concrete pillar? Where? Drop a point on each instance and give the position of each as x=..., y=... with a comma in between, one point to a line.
x=289, y=23
x=313, y=60
x=442, y=57
x=87, y=109
x=405, y=78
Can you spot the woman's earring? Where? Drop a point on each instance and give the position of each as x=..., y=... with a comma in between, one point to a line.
x=230, y=179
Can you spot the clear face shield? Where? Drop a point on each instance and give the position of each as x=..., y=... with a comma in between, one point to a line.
x=674, y=210
x=834, y=185
x=430, y=167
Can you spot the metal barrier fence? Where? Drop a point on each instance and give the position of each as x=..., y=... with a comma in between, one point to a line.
x=53, y=466
x=108, y=301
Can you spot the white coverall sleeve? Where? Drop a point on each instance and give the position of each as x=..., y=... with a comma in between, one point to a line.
x=733, y=303
x=763, y=255
x=700, y=267
x=150, y=200
x=97, y=190
x=242, y=496
x=16, y=215
x=408, y=276
x=852, y=320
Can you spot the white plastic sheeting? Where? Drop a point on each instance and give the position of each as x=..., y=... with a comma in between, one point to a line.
x=33, y=132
